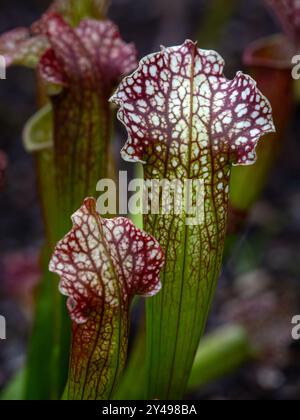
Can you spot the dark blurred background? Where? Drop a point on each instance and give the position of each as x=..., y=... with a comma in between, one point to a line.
x=261, y=280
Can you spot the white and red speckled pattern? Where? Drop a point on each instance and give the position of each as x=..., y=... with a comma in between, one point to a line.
x=20, y=48
x=180, y=95
x=105, y=260
x=94, y=52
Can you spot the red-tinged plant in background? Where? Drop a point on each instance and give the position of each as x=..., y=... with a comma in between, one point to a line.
x=20, y=273
x=71, y=138
x=81, y=68
x=21, y=47
x=288, y=14
x=84, y=64
x=102, y=264
x=24, y=46
x=3, y=164
x=185, y=120
x=269, y=61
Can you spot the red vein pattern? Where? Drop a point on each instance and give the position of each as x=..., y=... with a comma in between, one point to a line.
x=288, y=13
x=102, y=265
x=86, y=62
x=185, y=120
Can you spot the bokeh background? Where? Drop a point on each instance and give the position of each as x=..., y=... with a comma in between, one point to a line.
x=260, y=284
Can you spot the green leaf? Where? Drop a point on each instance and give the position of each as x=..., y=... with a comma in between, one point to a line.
x=217, y=14
x=14, y=391
x=50, y=335
x=186, y=121
x=219, y=354
x=38, y=131
x=76, y=10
